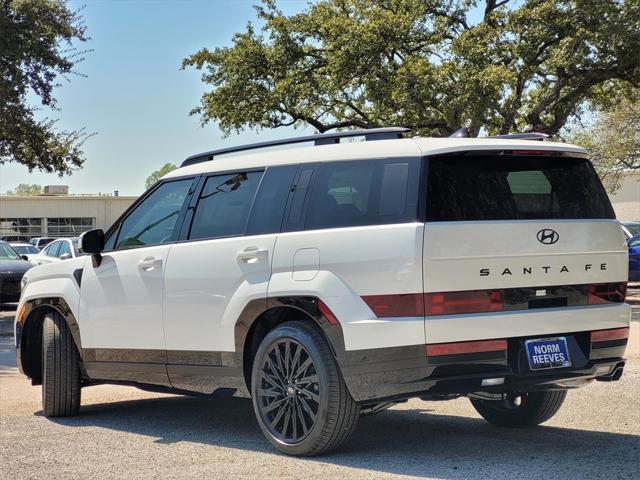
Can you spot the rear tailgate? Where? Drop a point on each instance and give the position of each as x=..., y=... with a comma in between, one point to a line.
x=517, y=245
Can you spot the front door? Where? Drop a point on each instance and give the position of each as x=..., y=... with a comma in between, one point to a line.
x=121, y=299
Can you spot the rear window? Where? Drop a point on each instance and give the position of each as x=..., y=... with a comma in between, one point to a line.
x=514, y=188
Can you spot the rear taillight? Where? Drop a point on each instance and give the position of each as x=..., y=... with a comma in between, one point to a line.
x=607, y=293
x=401, y=305
x=458, y=348
x=473, y=301
x=610, y=334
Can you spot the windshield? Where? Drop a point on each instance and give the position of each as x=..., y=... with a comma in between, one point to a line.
x=8, y=253
x=25, y=249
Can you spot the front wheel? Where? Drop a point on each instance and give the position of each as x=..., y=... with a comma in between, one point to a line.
x=521, y=409
x=301, y=402
x=60, y=368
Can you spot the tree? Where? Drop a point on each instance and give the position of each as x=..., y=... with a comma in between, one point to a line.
x=26, y=190
x=613, y=141
x=424, y=64
x=35, y=51
x=158, y=174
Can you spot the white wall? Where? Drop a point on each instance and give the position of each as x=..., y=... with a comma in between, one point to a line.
x=626, y=201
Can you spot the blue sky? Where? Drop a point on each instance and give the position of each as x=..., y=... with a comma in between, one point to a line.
x=134, y=95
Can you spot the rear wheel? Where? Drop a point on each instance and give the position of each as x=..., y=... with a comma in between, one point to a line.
x=521, y=409
x=300, y=399
x=60, y=368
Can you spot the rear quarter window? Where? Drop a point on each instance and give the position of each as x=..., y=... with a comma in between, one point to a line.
x=510, y=187
x=364, y=192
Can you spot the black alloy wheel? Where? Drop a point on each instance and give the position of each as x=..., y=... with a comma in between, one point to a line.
x=289, y=391
x=300, y=399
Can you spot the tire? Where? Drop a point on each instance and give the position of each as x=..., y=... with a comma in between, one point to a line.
x=533, y=408
x=60, y=369
x=301, y=402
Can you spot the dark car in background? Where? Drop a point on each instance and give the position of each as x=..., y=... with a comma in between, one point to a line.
x=634, y=258
x=630, y=229
x=12, y=269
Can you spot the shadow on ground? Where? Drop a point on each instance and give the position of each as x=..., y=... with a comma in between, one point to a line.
x=408, y=442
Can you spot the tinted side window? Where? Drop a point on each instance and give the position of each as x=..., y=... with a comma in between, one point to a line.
x=53, y=249
x=64, y=248
x=152, y=222
x=268, y=208
x=364, y=193
x=110, y=241
x=224, y=205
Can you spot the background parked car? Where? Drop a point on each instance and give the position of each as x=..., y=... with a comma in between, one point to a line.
x=12, y=268
x=40, y=242
x=25, y=249
x=630, y=229
x=634, y=259
x=60, y=249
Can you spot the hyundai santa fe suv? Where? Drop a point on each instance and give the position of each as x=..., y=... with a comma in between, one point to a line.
x=335, y=280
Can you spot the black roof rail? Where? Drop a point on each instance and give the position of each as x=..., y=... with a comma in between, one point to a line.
x=522, y=136
x=318, y=139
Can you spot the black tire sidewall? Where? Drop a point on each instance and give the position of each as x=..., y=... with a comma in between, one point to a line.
x=309, y=338
x=537, y=408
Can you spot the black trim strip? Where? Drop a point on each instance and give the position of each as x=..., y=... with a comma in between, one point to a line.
x=476, y=357
x=125, y=355
x=622, y=342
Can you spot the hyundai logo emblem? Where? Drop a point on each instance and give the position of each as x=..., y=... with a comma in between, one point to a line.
x=548, y=236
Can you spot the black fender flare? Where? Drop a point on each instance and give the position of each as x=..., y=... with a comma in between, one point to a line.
x=32, y=310
x=307, y=306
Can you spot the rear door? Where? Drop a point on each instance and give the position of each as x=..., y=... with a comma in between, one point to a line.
x=352, y=239
x=517, y=233
x=221, y=265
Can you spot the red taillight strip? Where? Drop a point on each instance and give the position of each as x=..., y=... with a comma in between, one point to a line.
x=324, y=310
x=607, y=293
x=611, y=334
x=401, y=305
x=473, y=301
x=437, y=349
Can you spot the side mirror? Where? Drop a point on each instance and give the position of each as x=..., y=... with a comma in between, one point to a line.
x=24, y=257
x=92, y=242
x=65, y=256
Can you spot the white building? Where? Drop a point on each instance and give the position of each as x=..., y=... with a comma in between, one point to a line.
x=626, y=201
x=57, y=215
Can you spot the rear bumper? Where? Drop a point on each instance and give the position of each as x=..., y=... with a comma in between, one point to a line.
x=405, y=372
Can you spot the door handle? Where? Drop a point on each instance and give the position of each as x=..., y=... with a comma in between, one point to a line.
x=252, y=255
x=149, y=264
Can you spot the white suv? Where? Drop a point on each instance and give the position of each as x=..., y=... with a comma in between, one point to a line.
x=336, y=280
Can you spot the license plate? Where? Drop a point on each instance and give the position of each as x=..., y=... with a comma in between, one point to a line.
x=546, y=353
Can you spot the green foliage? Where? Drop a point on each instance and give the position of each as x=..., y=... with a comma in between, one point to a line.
x=35, y=51
x=158, y=174
x=613, y=141
x=26, y=190
x=528, y=65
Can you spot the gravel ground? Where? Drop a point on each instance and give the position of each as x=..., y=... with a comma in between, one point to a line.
x=123, y=432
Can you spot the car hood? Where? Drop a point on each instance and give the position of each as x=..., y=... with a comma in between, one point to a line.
x=14, y=266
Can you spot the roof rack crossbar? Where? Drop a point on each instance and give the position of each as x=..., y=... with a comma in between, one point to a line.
x=319, y=139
